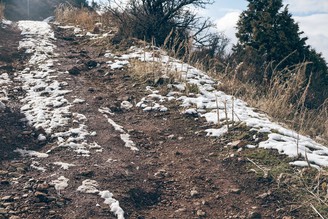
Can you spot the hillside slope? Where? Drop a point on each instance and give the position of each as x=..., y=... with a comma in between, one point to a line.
x=133, y=133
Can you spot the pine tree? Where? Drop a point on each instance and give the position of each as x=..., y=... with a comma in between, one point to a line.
x=267, y=34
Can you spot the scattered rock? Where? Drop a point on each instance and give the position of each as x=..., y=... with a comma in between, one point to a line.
x=3, y=172
x=3, y=211
x=201, y=213
x=74, y=71
x=235, y=190
x=7, y=198
x=91, y=64
x=194, y=193
x=255, y=215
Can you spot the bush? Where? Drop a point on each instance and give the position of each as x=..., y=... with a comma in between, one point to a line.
x=169, y=22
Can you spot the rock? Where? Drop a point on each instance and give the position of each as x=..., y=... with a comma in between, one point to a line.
x=235, y=190
x=3, y=211
x=264, y=195
x=14, y=217
x=41, y=196
x=201, y=213
x=255, y=215
x=74, y=71
x=3, y=172
x=91, y=89
x=91, y=64
x=2, y=106
x=7, y=198
x=43, y=187
x=194, y=193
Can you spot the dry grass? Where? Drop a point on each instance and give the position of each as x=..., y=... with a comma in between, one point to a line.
x=281, y=100
x=67, y=14
x=2, y=11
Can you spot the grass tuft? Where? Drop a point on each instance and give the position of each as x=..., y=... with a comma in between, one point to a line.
x=2, y=11
x=83, y=17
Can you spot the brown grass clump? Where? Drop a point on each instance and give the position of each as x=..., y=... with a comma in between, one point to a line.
x=83, y=17
x=2, y=11
x=281, y=99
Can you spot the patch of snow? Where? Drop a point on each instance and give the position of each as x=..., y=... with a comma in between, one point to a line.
x=126, y=105
x=113, y=203
x=36, y=165
x=60, y=184
x=210, y=102
x=125, y=137
x=63, y=165
x=29, y=153
x=88, y=186
x=77, y=100
x=217, y=132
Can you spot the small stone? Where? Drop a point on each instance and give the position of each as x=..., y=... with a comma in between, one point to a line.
x=201, y=213
x=14, y=217
x=181, y=210
x=264, y=195
x=74, y=71
x=255, y=215
x=3, y=211
x=3, y=172
x=235, y=190
x=91, y=89
x=194, y=193
x=43, y=187
x=41, y=196
x=91, y=64
x=7, y=198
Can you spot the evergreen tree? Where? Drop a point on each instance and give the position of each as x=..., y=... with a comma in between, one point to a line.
x=267, y=34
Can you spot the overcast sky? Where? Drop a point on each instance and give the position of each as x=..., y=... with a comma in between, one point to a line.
x=312, y=16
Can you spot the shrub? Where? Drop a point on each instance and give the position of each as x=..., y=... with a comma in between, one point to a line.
x=155, y=20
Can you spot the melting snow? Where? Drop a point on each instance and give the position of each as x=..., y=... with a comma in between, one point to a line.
x=209, y=103
x=26, y=153
x=125, y=137
x=60, y=184
x=64, y=166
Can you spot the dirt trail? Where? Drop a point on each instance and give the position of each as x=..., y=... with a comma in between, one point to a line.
x=174, y=174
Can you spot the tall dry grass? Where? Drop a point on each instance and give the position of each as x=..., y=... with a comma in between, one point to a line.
x=82, y=17
x=2, y=11
x=281, y=99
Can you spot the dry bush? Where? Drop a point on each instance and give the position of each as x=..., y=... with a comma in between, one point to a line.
x=281, y=99
x=83, y=17
x=2, y=11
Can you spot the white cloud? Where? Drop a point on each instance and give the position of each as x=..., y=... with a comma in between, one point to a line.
x=314, y=27
x=307, y=6
x=227, y=25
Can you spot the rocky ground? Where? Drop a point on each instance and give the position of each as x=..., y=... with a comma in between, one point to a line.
x=175, y=173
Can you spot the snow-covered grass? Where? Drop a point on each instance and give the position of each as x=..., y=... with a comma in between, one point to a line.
x=215, y=105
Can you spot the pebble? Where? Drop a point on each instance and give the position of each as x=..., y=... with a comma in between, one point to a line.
x=3, y=211
x=6, y=198
x=235, y=190
x=194, y=193
x=255, y=215
x=201, y=213
x=3, y=172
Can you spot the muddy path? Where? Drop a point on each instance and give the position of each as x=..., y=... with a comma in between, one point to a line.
x=156, y=164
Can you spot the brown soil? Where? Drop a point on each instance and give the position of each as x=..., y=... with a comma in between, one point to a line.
x=175, y=174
